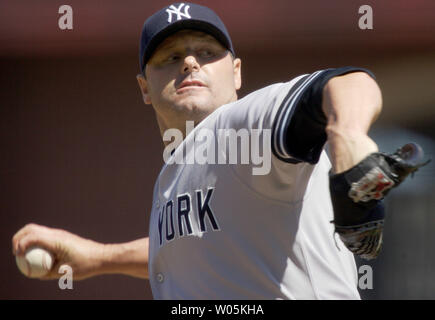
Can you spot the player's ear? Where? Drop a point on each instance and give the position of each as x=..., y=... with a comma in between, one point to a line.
x=143, y=86
x=237, y=66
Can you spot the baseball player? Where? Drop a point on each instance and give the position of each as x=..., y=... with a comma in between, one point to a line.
x=220, y=229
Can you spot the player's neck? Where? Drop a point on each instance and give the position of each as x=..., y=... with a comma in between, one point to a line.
x=182, y=125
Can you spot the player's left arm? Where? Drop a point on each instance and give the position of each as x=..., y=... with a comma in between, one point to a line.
x=361, y=176
x=338, y=106
x=351, y=103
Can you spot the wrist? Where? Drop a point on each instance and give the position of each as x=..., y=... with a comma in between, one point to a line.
x=129, y=258
x=109, y=258
x=348, y=147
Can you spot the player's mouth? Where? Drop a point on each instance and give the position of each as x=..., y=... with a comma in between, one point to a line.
x=190, y=85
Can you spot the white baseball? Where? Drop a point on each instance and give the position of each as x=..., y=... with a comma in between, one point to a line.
x=35, y=263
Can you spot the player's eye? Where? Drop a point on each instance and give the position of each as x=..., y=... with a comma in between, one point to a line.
x=173, y=58
x=206, y=53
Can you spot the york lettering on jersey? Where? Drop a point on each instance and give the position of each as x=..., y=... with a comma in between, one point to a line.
x=169, y=215
x=185, y=211
x=204, y=209
x=184, y=206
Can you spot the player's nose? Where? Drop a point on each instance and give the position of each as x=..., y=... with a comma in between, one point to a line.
x=190, y=64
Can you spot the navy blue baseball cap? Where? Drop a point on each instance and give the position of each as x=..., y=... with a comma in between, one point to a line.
x=176, y=17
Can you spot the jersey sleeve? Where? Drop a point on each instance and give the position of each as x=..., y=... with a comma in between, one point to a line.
x=293, y=113
x=290, y=119
x=298, y=132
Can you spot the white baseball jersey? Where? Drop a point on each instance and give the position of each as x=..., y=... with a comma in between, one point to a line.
x=218, y=231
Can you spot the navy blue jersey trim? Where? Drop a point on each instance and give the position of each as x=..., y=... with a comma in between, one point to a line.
x=283, y=105
x=298, y=131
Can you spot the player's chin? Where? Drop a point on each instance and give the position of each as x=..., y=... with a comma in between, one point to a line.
x=195, y=104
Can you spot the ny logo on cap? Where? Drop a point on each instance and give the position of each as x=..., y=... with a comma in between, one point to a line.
x=173, y=10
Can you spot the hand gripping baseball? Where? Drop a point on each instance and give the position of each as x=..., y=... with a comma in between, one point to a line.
x=82, y=255
x=357, y=195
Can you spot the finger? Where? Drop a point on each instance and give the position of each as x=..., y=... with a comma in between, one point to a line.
x=57, y=271
x=28, y=228
x=52, y=275
x=40, y=239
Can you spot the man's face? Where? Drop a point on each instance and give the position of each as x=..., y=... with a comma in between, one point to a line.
x=190, y=74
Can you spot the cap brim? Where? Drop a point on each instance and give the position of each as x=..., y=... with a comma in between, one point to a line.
x=193, y=24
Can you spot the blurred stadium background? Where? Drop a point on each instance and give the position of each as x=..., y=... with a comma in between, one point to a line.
x=80, y=151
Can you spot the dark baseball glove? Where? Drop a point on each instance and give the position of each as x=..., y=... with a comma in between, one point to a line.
x=357, y=195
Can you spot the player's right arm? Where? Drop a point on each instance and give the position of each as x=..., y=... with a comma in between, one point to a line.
x=86, y=257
